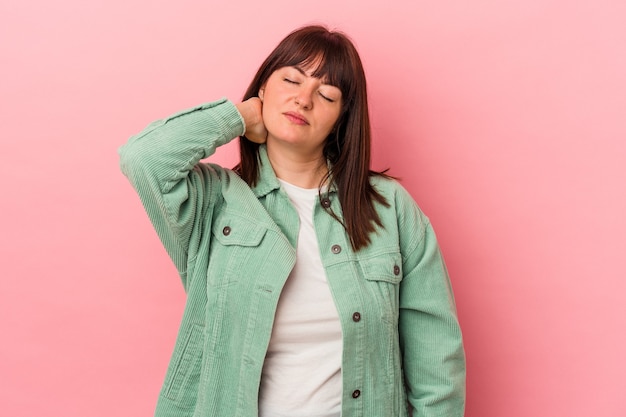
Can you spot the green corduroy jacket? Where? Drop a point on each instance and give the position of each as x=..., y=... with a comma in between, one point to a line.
x=234, y=247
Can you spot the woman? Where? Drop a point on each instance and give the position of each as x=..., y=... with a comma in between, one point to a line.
x=315, y=287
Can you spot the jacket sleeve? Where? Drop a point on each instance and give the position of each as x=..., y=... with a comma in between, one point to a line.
x=430, y=336
x=177, y=191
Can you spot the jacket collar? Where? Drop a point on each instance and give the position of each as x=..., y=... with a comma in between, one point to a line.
x=267, y=178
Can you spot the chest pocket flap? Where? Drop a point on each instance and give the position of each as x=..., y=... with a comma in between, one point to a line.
x=235, y=230
x=387, y=268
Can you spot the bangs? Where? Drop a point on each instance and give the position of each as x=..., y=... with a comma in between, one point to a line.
x=324, y=54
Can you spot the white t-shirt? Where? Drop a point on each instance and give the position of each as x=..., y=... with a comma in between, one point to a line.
x=302, y=370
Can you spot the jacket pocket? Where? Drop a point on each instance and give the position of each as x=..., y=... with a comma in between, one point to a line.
x=234, y=249
x=183, y=376
x=387, y=268
x=232, y=230
x=384, y=274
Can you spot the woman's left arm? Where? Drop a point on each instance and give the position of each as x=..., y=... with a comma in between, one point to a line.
x=430, y=336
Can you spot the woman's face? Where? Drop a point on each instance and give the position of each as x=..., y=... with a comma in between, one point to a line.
x=299, y=110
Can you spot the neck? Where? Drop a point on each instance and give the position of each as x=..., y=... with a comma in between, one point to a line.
x=304, y=171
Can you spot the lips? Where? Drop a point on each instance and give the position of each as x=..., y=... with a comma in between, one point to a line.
x=296, y=118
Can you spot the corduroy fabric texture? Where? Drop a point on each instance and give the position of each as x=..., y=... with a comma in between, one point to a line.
x=234, y=247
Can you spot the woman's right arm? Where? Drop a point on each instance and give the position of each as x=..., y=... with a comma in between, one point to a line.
x=162, y=164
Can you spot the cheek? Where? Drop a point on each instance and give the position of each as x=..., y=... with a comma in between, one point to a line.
x=268, y=121
x=269, y=108
x=333, y=118
x=271, y=118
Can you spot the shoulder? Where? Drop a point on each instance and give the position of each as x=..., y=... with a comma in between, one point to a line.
x=233, y=190
x=396, y=195
x=228, y=179
x=402, y=210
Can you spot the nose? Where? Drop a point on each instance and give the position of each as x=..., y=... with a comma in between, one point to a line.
x=304, y=98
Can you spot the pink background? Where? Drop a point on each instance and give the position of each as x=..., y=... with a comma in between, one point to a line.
x=504, y=119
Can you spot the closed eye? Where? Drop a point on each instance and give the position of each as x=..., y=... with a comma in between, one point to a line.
x=330, y=100
x=290, y=81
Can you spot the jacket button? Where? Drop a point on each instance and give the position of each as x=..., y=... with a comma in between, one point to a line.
x=226, y=230
x=336, y=249
x=356, y=317
x=396, y=270
x=356, y=393
x=326, y=202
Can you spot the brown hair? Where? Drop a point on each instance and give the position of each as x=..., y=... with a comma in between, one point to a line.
x=348, y=145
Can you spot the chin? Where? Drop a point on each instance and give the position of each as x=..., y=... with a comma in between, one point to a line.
x=286, y=140
x=286, y=137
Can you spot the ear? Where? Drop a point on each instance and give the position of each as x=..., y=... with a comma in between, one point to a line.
x=262, y=93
